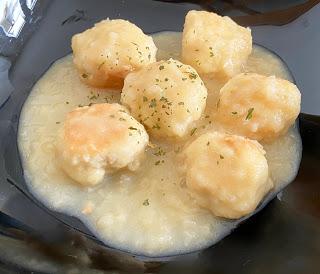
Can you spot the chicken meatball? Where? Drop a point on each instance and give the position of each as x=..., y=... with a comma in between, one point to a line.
x=166, y=97
x=215, y=45
x=257, y=106
x=106, y=53
x=228, y=174
x=99, y=140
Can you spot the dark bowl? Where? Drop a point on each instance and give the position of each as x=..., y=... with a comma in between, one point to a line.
x=284, y=237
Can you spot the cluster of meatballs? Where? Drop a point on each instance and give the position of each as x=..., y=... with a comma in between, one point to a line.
x=227, y=172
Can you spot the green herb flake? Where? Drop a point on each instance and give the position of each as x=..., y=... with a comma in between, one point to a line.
x=159, y=152
x=181, y=103
x=192, y=75
x=234, y=112
x=211, y=52
x=161, y=67
x=221, y=157
x=84, y=75
x=145, y=99
x=163, y=99
x=133, y=128
x=57, y=123
x=153, y=103
x=146, y=202
x=157, y=162
x=193, y=131
x=249, y=114
x=208, y=143
x=156, y=126
x=100, y=66
x=218, y=103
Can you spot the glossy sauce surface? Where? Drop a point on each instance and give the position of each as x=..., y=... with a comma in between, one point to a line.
x=146, y=212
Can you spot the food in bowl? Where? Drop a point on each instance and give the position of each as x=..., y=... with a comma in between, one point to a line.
x=97, y=140
x=215, y=45
x=106, y=53
x=149, y=182
x=166, y=97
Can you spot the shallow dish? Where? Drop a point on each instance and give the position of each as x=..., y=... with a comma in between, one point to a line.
x=23, y=81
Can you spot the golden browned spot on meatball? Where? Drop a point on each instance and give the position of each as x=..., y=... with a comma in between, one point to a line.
x=228, y=174
x=97, y=140
x=257, y=106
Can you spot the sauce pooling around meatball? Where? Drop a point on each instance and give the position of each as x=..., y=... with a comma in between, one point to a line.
x=153, y=210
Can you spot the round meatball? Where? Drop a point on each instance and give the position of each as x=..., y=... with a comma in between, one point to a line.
x=228, y=174
x=257, y=106
x=166, y=97
x=215, y=45
x=106, y=53
x=99, y=140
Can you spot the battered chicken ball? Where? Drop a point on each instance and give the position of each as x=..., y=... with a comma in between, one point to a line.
x=106, y=53
x=257, y=106
x=98, y=140
x=228, y=174
x=215, y=45
x=166, y=97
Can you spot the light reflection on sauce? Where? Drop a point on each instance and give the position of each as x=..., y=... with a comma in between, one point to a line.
x=116, y=211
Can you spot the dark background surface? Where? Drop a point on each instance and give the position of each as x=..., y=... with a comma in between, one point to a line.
x=283, y=238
